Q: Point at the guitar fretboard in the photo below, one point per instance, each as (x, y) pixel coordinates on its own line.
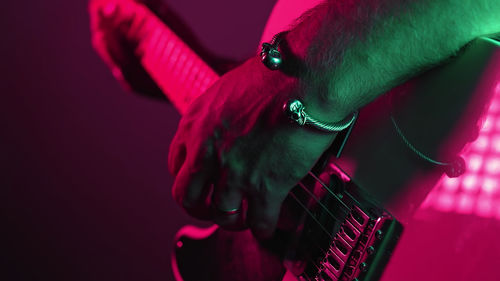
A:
(179, 72)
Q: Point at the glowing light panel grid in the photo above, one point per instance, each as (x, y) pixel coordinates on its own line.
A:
(478, 190)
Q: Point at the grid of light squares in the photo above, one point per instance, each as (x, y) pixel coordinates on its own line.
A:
(478, 190)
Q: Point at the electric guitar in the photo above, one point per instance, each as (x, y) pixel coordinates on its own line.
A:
(345, 219)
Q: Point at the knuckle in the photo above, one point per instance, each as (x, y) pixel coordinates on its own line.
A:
(176, 195)
(261, 189)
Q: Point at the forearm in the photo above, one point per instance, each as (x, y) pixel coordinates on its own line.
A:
(355, 50)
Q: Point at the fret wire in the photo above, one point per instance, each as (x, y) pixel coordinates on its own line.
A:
(172, 59)
(167, 50)
(153, 41)
(196, 82)
(153, 46)
(202, 74)
(187, 79)
(311, 214)
(179, 68)
(190, 77)
(160, 47)
(167, 62)
(191, 91)
(329, 190)
(187, 65)
(163, 56)
(164, 51)
(174, 69)
(205, 84)
(318, 201)
(185, 73)
(190, 57)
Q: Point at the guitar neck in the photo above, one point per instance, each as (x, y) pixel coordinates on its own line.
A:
(178, 71)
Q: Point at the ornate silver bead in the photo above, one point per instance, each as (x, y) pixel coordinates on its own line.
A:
(294, 109)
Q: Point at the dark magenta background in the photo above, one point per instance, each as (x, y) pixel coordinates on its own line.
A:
(85, 193)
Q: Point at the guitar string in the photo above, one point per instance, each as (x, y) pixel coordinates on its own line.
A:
(332, 193)
(315, 219)
(308, 211)
(318, 201)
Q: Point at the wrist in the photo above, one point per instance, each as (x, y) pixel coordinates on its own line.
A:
(313, 83)
(323, 108)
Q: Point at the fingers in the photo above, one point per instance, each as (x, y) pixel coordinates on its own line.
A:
(263, 212)
(192, 191)
(176, 156)
(231, 206)
(229, 210)
(211, 192)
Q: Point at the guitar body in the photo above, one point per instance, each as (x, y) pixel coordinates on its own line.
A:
(232, 256)
(440, 112)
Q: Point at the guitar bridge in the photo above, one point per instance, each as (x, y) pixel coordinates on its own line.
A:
(353, 241)
(362, 254)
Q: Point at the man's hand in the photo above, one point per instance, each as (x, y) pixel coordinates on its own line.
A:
(111, 22)
(235, 149)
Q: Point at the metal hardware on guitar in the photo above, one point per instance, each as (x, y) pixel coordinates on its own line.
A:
(345, 236)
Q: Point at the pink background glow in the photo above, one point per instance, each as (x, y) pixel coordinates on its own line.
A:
(478, 190)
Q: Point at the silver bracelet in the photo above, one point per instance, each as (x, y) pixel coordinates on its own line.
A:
(272, 59)
(270, 55)
(295, 111)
